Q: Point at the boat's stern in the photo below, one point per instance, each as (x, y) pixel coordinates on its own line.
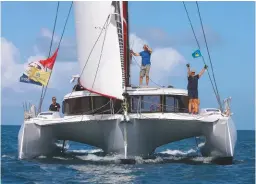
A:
(35, 140)
(220, 138)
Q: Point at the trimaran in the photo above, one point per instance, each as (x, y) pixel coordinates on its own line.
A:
(113, 115)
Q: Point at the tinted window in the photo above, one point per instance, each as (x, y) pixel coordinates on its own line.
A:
(100, 104)
(176, 104)
(135, 103)
(155, 103)
(150, 104)
(169, 104)
(182, 103)
(90, 105)
(117, 106)
(75, 106)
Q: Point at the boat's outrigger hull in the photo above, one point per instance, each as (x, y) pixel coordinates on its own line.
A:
(143, 135)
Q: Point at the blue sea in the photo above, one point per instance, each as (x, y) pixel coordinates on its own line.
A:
(173, 163)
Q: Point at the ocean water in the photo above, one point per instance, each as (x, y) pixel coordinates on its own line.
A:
(173, 163)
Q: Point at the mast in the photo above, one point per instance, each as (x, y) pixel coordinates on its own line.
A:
(126, 43)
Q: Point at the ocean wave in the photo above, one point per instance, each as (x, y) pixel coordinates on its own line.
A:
(86, 151)
(178, 152)
(8, 156)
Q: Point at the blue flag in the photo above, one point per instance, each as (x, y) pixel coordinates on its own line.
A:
(197, 54)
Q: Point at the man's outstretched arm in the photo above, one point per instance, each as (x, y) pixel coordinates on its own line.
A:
(135, 54)
(203, 70)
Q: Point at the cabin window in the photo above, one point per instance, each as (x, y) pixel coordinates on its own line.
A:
(135, 104)
(158, 103)
(150, 104)
(91, 105)
(145, 104)
(100, 105)
(117, 106)
(183, 103)
(74, 106)
(176, 104)
(169, 104)
(103, 105)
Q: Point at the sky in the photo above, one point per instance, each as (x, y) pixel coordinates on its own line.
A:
(229, 27)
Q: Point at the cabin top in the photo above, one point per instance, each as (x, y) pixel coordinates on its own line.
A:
(134, 91)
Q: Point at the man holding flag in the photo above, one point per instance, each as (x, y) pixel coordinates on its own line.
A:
(193, 89)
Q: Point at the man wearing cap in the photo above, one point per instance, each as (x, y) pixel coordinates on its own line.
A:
(193, 89)
(54, 106)
(145, 64)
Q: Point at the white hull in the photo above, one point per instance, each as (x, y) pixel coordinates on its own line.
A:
(143, 133)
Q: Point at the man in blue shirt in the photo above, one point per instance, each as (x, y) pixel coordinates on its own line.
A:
(145, 64)
(193, 89)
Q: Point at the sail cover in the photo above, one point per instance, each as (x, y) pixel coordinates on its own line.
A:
(99, 33)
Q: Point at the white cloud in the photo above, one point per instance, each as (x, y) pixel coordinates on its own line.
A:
(12, 69)
(67, 50)
(48, 34)
(9, 66)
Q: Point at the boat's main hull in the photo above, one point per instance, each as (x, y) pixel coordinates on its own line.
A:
(141, 135)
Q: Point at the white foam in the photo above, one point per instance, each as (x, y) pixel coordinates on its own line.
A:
(201, 144)
(172, 155)
(42, 156)
(86, 151)
(178, 152)
(92, 157)
(8, 156)
(61, 158)
(203, 159)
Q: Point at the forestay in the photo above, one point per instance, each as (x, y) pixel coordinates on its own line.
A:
(101, 66)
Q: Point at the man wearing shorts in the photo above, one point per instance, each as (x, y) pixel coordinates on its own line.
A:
(145, 64)
(193, 89)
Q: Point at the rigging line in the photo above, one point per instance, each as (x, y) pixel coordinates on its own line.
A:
(208, 50)
(215, 92)
(102, 47)
(65, 23)
(95, 44)
(54, 26)
(64, 28)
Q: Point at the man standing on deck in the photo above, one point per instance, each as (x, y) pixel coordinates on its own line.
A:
(145, 64)
(193, 89)
(54, 106)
